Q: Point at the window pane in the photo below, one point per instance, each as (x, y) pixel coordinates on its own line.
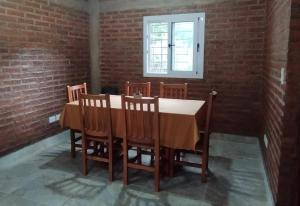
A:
(158, 48)
(183, 41)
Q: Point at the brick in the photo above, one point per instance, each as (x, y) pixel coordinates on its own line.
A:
(15, 12)
(2, 10)
(41, 23)
(8, 19)
(25, 21)
(32, 4)
(33, 16)
(8, 5)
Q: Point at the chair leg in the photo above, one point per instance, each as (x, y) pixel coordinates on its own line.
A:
(171, 162)
(101, 149)
(110, 160)
(166, 158)
(204, 167)
(84, 156)
(178, 156)
(152, 157)
(157, 170)
(125, 161)
(95, 147)
(72, 140)
(139, 155)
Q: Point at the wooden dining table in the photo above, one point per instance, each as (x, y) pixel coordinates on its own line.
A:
(180, 120)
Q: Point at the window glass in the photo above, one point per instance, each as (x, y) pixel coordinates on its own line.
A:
(158, 48)
(183, 46)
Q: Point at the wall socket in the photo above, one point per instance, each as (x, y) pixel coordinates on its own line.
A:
(282, 76)
(266, 141)
(53, 118)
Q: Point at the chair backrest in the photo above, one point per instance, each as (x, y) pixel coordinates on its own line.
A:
(74, 91)
(144, 88)
(141, 120)
(210, 102)
(95, 114)
(173, 91)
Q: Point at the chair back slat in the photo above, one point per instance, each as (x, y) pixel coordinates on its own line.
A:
(173, 91)
(95, 113)
(74, 91)
(141, 119)
(132, 88)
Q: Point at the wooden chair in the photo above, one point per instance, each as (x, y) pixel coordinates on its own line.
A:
(142, 131)
(202, 147)
(173, 91)
(74, 91)
(144, 88)
(96, 127)
(73, 94)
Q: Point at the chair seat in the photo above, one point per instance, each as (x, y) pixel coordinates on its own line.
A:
(97, 139)
(96, 134)
(76, 130)
(141, 142)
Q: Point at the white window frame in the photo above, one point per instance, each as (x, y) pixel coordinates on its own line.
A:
(199, 32)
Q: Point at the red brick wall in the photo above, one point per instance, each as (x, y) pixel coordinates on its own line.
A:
(234, 56)
(294, 91)
(281, 106)
(276, 57)
(42, 48)
(290, 140)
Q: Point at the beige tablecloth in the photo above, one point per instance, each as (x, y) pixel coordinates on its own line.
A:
(179, 120)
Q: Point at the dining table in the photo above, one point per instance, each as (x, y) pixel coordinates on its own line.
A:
(179, 120)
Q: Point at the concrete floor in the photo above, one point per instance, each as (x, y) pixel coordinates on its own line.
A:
(51, 177)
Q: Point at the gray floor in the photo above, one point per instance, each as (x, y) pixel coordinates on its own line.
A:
(51, 177)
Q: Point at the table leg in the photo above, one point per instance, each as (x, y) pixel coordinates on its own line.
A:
(168, 162)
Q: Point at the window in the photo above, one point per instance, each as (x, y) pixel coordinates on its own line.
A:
(174, 45)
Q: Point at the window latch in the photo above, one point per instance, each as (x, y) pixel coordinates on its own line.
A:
(198, 46)
(169, 45)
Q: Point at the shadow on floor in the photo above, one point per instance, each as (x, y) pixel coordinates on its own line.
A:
(132, 195)
(78, 187)
(225, 182)
(186, 183)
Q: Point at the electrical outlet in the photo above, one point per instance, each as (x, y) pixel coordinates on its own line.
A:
(266, 140)
(282, 76)
(57, 117)
(52, 119)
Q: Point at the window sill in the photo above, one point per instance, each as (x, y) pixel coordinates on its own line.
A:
(182, 76)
